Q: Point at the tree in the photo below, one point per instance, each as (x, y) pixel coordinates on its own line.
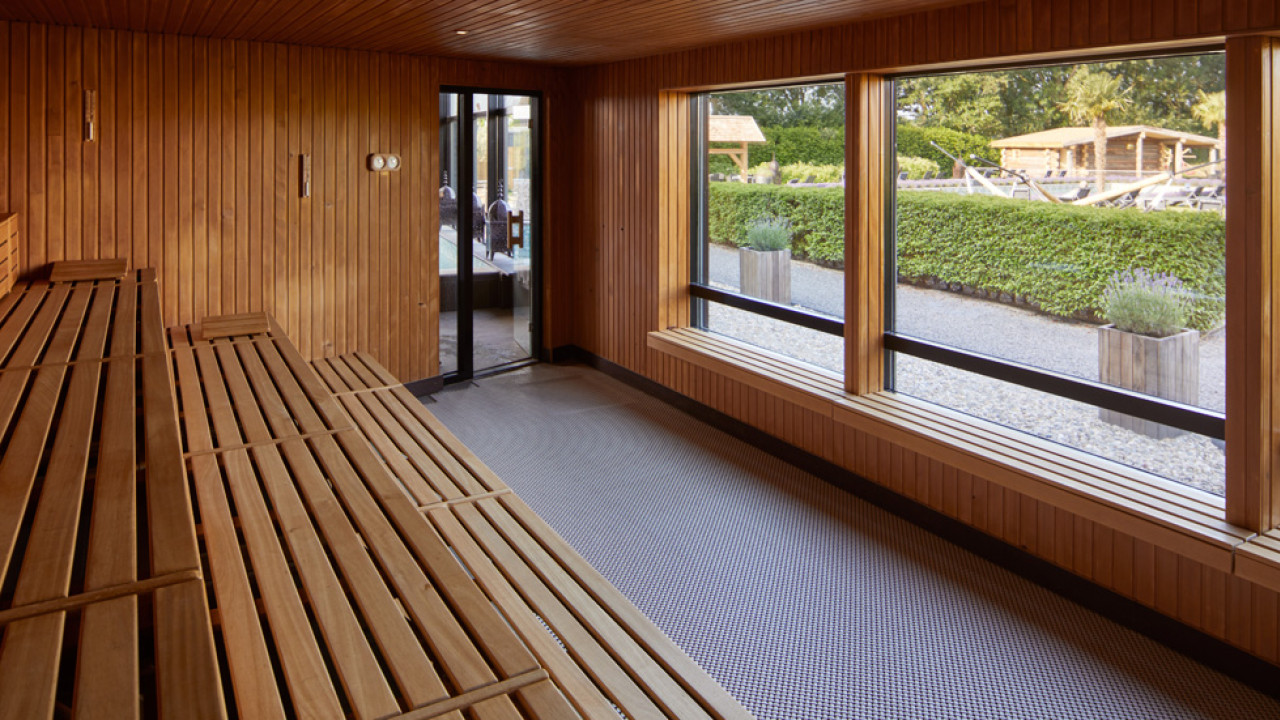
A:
(1211, 109)
(1091, 97)
(799, 106)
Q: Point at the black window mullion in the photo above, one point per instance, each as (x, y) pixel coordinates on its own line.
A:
(1147, 407)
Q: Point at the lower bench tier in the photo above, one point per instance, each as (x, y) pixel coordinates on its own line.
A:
(364, 563)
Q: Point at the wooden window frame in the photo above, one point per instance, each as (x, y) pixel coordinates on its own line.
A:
(1253, 406)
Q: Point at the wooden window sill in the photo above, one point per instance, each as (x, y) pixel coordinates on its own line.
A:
(1175, 517)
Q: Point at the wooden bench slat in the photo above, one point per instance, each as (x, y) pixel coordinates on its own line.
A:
(530, 573)
(186, 661)
(249, 662)
(333, 382)
(29, 667)
(33, 345)
(412, 412)
(312, 693)
(465, 666)
(233, 325)
(610, 678)
(483, 622)
(113, 527)
(409, 664)
(80, 270)
(419, 476)
(544, 701)
(18, 469)
(569, 676)
(637, 625)
(109, 645)
(432, 459)
(575, 591)
(353, 657)
(18, 325)
(51, 541)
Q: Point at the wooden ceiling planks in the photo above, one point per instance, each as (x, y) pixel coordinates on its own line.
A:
(551, 31)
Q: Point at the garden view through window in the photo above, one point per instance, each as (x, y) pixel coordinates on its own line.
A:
(770, 225)
(1069, 219)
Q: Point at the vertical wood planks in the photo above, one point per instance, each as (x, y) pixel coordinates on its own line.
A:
(195, 172)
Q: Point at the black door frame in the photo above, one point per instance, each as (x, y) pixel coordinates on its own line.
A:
(465, 227)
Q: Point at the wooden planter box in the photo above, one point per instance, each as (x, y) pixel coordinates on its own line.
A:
(1165, 367)
(765, 275)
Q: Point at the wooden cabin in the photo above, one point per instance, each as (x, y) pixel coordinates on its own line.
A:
(227, 228)
(1136, 150)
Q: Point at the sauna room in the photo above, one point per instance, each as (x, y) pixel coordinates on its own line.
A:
(857, 359)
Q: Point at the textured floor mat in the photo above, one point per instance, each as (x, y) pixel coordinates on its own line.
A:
(802, 600)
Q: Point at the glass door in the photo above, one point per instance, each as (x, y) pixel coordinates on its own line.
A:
(489, 220)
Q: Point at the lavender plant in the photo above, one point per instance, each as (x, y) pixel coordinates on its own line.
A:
(1139, 301)
(769, 234)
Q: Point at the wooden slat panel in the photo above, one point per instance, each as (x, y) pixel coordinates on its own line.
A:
(231, 325)
(75, 270)
(195, 173)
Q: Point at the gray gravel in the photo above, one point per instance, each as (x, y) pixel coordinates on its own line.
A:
(997, 329)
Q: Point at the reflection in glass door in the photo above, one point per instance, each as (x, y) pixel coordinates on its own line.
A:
(489, 218)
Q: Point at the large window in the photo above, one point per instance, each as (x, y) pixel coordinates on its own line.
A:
(1059, 254)
(768, 240)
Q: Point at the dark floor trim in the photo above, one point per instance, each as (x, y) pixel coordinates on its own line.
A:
(425, 386)
(1199, 646)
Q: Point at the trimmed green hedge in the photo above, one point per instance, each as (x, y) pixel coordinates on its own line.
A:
(816, 215)
(1057, 257)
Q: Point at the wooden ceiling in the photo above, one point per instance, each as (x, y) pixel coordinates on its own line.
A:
(551, 31)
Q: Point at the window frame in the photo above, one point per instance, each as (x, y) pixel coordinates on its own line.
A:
(1194, 419)
(699, 201)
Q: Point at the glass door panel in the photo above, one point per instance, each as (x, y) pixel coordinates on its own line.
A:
(489, 142)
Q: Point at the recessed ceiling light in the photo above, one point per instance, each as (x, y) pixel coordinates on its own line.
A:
(461, 32)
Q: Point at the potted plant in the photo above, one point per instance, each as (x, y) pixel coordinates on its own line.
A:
(1146, 347)
(764, 263)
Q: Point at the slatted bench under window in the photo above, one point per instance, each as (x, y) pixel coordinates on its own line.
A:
(102, 602)
(333, 597)
(600, 650)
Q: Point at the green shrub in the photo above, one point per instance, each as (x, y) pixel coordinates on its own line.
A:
(1147, 304)
(768, 234)
(916, 167)
(816, 216)
(803, 171)
(1058, 257)
(913, 141)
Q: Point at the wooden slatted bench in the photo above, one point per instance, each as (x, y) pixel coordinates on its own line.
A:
(102, 602)
(334, 597)
(600, 650)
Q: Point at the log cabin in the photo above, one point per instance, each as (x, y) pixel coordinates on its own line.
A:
(225, 284)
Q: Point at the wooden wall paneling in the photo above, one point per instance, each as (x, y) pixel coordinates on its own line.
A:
(199, 253)
(6, 56)
(256, 233)
(55, 145)
(195, 172)
(184, 223)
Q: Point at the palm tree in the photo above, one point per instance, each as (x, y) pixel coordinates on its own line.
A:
(1091, 96)
(1212, 110)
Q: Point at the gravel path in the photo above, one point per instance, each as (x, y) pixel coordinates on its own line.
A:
(996, 329)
